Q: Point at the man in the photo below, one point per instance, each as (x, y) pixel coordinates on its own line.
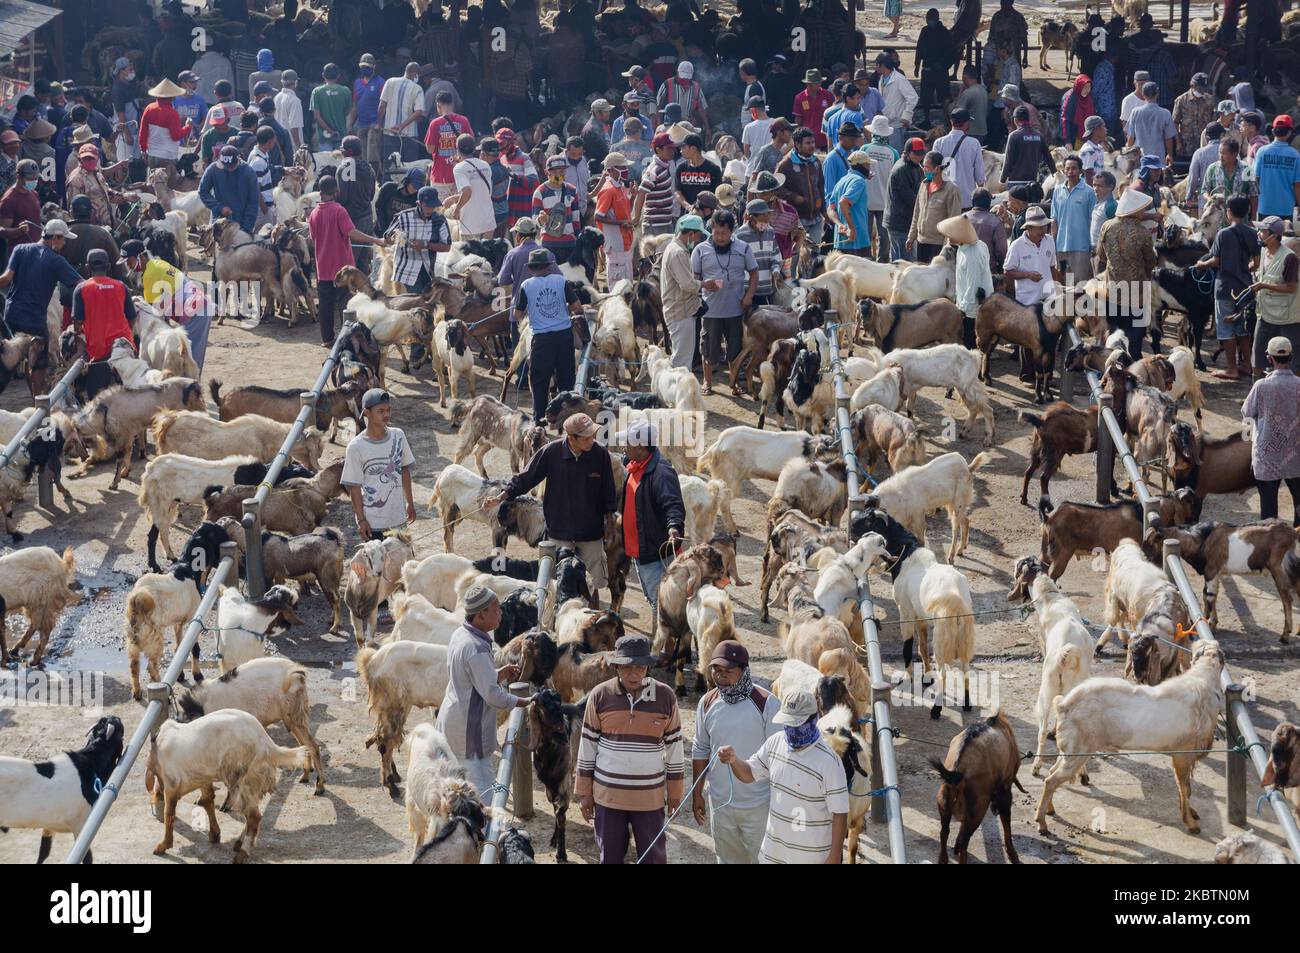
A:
(288, 108)
(810, 105)
(685, 91)
(782, 88)
(579, 499)
(234, 109)
(35, 270)
(1093, 153)
(548, 303)
(396, 197)
(1251, 138)
(973, 276)
(935, 55)
(161, 129)
(401, 109)
(836, 164)
(631, 110)
(758, 234)
(849, 114)
(102, 308)
(440, 139)
(769, 156)
(1004, 68)
(695, 174)
(282, 149)
(900, 98)
(1031, 260)
(680, 290)
(630, 759)
(267, 171)
(596, 131)
(1128, 256)
(1017, 206)
(229, 189)
(213, 67)
(577, 173)
(1202, 158)
(177, 296)
(637, 84)
(1276, 303)
(1009, 29)
(1277, 168)
(1193, 111)
(265, 73)
(126, 108)
(1104, 86)
(191, 106)
(728, 275)
(656, 207)
(1012, 102)
(1151, 127)
(426, 234)
(635, 149)
(332, 235)
(848, 208)
(356, 181)
(752, 89)
(1230, 176)
(726, 715)
(614, 213)
(1271, 406)
(377, 471)
(474, 689)
(757, 133)
(1134, 99)
(489, 150)
(965, 168)
(89, 235)
(1234, 249)
(363, 119)
(974, 99)
(88, 181)
(10, 149)
(804, 186)
(524, 176)
(905, 180)
(1072, 205)
(514, 267)
(557, 211)
(652, 510)
(1103, 183)
(1026, 151)
(330, 104)
(809, 799)
(218, 133)
(992, 231)
(939, 199)
(1227, 118)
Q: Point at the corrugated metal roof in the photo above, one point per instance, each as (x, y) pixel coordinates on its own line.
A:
(19, 19)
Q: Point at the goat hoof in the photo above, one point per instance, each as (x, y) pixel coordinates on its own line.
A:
(394, 792)
(214, 836)
(935, 712)
(241, 857)
(320, 790)
(1085, 779)
(160, 850)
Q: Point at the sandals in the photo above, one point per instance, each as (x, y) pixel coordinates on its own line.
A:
(707, 390)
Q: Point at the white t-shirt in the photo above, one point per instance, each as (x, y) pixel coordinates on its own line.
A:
(757, 134)
(376, 466)
(1093, 157)
(807, 786)
(476, 216)
(401, 97)
(288, 112)
(1024, 255)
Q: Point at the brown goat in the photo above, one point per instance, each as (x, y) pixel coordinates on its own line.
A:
(1144, 413)
(978, 770)
(284, 405)
(911, 325)
(1284, 763)
(763, 326)
(1002, 318)
(775, 376)
(1215, 548)
(880, 432)
(577, 672)
(1208, 464)
(698, 566)
(1059, 431)
(1086, 528)
(795, 537)
(295, 507)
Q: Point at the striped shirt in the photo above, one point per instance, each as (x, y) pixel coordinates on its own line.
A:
(807, 788)
(765, 251)
(631, 749)
(660, 209)
(408, 261)
(401, 97)
(557, 213)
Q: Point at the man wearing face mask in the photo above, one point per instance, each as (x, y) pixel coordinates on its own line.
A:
(20, 208)
(614, 213)
(728, 274)
(10, 148)
(126, 108)
(679, 288)
(556, 210)
(363, 120)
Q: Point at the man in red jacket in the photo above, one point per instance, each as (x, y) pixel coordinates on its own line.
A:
(161, 129)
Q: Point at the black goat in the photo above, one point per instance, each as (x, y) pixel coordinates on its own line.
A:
(555, 730)
(570, 577)
(525, 569)
(1190, 290)
(518, 615)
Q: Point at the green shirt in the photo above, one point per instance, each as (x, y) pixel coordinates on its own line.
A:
(214, 139)
(333, 101)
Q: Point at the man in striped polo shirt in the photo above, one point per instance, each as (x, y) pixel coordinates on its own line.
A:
(656, 209)
(630, 757)
(808, 811)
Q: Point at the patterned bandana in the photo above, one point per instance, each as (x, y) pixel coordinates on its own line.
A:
(734, 694)
(800, 736)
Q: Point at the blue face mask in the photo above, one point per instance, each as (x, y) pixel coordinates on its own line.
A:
(929, 176)
(367, 71)
(30, 184)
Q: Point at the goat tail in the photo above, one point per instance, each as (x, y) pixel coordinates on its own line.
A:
(1034, 420)
(949, 777)
(1071, 660)
(363, 660)
(151, 765)
(981, 459)
(1044, 508)
(767, 374)
(69, 564)
(289, 758)
(705, 463)
(161, 425)
(139, 607)
(718, 491)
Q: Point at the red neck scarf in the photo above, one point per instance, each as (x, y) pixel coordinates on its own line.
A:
(634, 473)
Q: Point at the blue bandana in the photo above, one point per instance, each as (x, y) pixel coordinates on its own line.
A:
(800, 736)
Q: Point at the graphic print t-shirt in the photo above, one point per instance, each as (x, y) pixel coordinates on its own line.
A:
(376, 466)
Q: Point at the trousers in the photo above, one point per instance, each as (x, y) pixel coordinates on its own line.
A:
(737, 833)
(552, 356)
(1268, 498)
(592, 552)
(328, 302)
(682, 334)
(612, 827)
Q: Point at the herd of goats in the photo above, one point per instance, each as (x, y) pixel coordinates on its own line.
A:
(902, 335)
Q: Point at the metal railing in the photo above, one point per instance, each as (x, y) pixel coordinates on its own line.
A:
(252, 516)
(159, 695)
(1241, 731)
(44, 481)
(516, 770)
(888, 805)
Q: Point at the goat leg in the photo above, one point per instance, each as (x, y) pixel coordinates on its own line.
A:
(1002, 802)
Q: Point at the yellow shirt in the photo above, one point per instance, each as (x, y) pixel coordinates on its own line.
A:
(161, 278)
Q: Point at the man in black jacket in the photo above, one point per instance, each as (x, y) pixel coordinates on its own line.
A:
(579, 498)
(357, 187)
(904, 186)
(1026, 151)
(653, 514)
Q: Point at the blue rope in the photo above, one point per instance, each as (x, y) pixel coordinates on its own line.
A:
(878, 792)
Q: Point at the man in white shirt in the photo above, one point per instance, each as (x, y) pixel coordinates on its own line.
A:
(1093, 153)
(1031, 260)
(472, 201)
(899, 96)
(259, 160)
(1134, 99)
(757, 133)
(966, 168)
(377, 470)
(401, 107)
(288, 108)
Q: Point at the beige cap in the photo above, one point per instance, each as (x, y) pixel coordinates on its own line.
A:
(615, 160)
(580, 425)
(1279, 347)
(678, 131)
(860, 158)
(725, 194)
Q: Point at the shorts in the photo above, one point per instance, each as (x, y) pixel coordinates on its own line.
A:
(1226, 326)
(592, 552)
(718, 329)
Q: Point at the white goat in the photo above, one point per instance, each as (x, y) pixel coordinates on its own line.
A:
(432, 773)
(710, 618)
(885, 388)
(131, 369)
(440, 578)
(373, 574)
(701, 500)
(158, 601)
(676, 386)
(163, 346)
(171, 479)
(946, 482)
(1244, 847)
(796, 676)
(924, 282)
(399, 676)
(747, 453)
(952, 367)
(35, 581)
(244, 624)
(11, 423)
(870, 279)
(419, 620)
(195, 433)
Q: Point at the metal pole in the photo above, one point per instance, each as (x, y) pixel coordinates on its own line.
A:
(502, 788)
(254, 573)
(33, 423)
(155, 711)
(1236, 760)
(1105, 453)
(584, 369)
(44, 481)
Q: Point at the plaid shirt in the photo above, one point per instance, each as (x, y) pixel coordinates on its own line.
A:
(408, 261)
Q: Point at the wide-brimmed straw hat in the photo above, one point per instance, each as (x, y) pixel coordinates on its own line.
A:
(1132, 202)
(959, 230)
(678, 131)
(1036, 218)
(768, 182)
(39, 129)
(166, 90)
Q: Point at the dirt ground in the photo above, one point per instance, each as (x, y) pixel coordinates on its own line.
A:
(1128, 814)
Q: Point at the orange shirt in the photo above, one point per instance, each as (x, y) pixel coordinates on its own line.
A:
(614, 198)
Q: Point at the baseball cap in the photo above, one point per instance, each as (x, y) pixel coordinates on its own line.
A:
(690, 223)
(367, 59)
(757, 207)
(97, 257)
(229, 154)
(635, 72)
(860, 158)
(756, 102)
(639, 434)
(489, 145)
(579, 425)
(262, 86)
(57, 228)
(1272, 224)
(685, 69)
(1283, 121)
(1093, 122)
(428, 196)
(916, 145)
(9, 136)
(780, 124)
(731, 652)
(81, 207)
(661, 140)
(850, 129)
(1226, 106)
(526, 226)
(632, 96)
(189, 76)
(706, 199)
(132, 247)
(960, 116)
(601, 105)
(1279, 347)
(374, 397)
(1141, 76)
(217, 115)
(120, 64)
(796, 708)
(557, 162)
(1200, 79)
(506, 135)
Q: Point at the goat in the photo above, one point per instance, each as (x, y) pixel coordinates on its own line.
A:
(1031, 327)
(199, 435)
(435, 785)
(577, 672)
(741, 453)
(1244, 847)
(459, 493)
(171, 479)
(295, 507)
(271, 690)
(1059, 431)
(1284, 763)
(1173, 373)
(837, 727)
(979, 769)
(284, 405)
(229, 746)
(56, 796)
(316, 556)
(926, 281)
(700, 500)
(491, 424)
(1111, 714)
(1208, 464)
(1191, 291)
(709, 615)
(675, 386)
(870, 279)
(1143, 412)
(1215, 549)
(698, 566)
(1140, 598)
(1094, 528)
(946, 482)
(894, 326)
(399, 676)
(809, 397)
(373, 574)
(818, 489)
(118, 419)
(614, 341)
(237, 257)
(37, 582)
(556, 727)
(885, 388)
(793, 537)
(878, 431)
(163, 346)
(453, 359)
(951, 366)
(243, 625)
(1062, 636)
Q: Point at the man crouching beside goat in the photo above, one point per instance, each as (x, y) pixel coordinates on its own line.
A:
(474, 688)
